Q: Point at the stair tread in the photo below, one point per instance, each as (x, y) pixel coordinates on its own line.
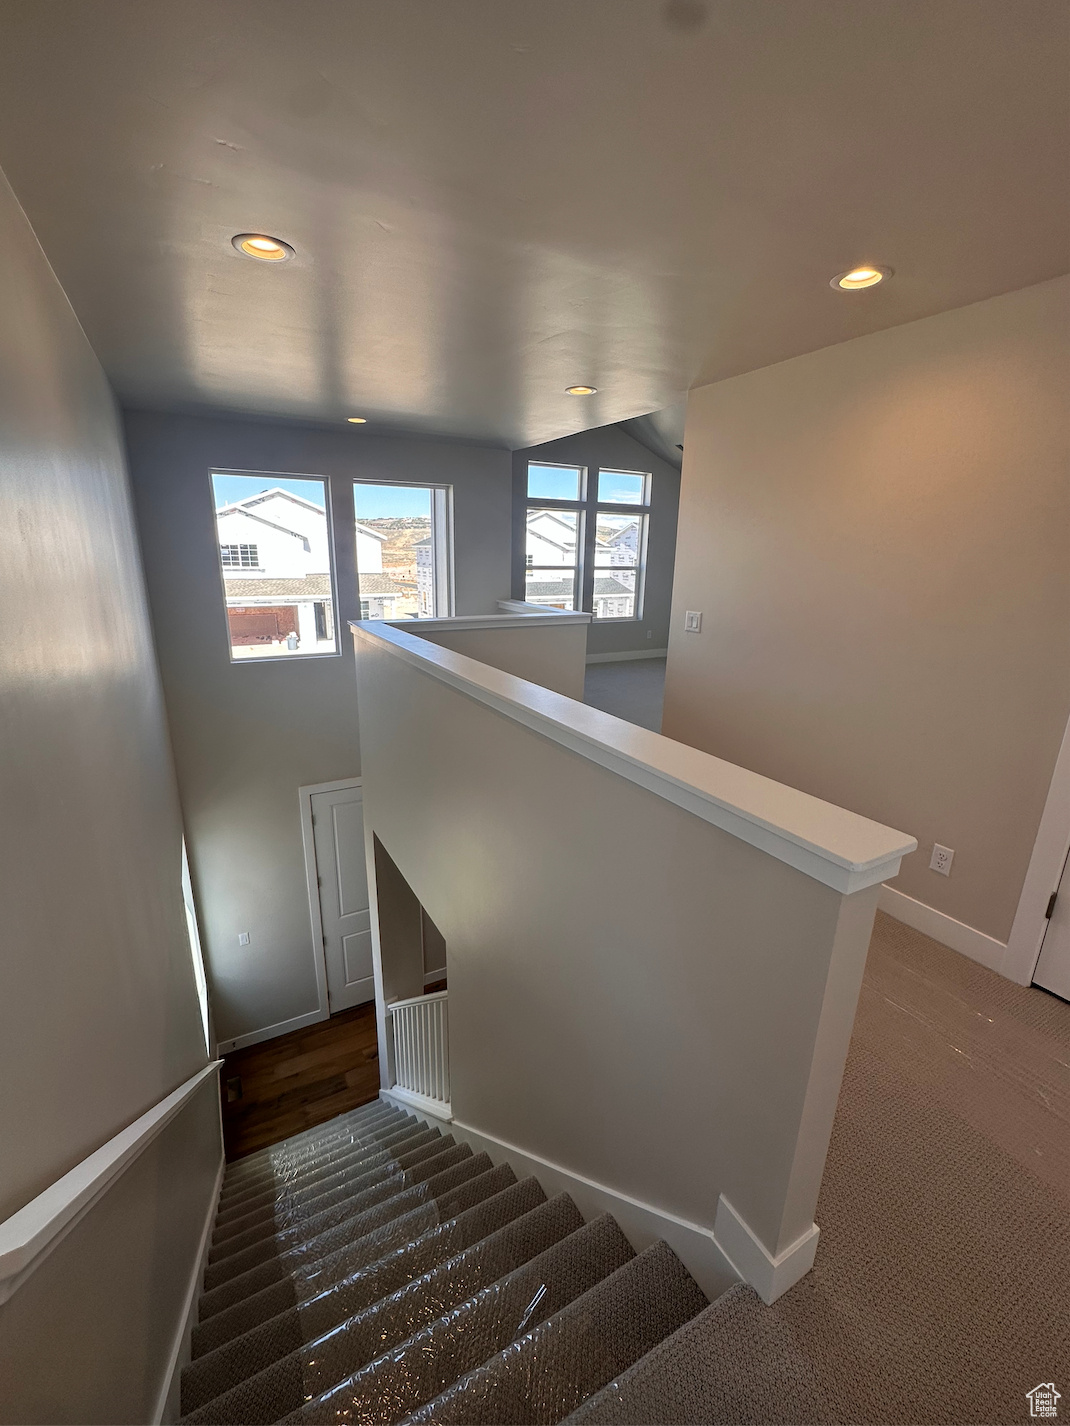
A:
(275, 1206)
(335, 1226)
(306, 1219)
(341, 1289)
(284, 1175)
(553, 1368)
(353, 1122)
(317, 1266)
(397, 1383)
(257, 1378)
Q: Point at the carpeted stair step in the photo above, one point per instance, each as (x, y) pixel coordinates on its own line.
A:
(284, 1172)
(297, 1309)
(278, 1210)
(363, 1114)
(243, 1172)
(305, 1220)
(357, 1332)
(547, 1373)
(298, 1145)
(399, 1382)
(264, 1194)
(317, 1263)
(328, 1230)
(736, 1364)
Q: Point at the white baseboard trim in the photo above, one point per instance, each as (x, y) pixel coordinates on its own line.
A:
(955, 934)
(168, 1403)
(431, 1108)
(627, 655)
(769, 1276)
(269, 1032)
(641, 1223)
(431, 976)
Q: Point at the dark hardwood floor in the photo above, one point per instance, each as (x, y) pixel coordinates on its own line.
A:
(296, 1081)
(282, 1086)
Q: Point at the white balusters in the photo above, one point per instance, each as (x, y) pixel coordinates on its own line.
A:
(421, 1047)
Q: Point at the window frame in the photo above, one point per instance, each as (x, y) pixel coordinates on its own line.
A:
(332, 559)
(588, 508)
(441, 544)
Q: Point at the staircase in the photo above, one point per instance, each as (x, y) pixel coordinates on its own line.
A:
(372, 1270)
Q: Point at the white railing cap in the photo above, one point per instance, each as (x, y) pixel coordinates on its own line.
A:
(432, 996)
(512, 619)
(834, 846)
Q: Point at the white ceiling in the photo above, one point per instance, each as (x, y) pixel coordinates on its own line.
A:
(492, 199)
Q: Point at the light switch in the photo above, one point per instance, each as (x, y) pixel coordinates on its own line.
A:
(243, 938)
(693, 621)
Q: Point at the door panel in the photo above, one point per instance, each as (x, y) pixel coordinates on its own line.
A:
(348, 830)
(357, 956)
(338, 837)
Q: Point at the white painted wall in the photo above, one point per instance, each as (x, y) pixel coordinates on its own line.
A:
(553, 655)
(99, 1014)
(642, 996)
(877, 536)
(247, 736)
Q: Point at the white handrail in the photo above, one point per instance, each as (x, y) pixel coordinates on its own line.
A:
(393, 1005)
(834, 846)
(28, 1236)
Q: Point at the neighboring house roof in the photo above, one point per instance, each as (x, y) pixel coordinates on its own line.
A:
(313, 586)
(420, 543)
(262, 520)
(372, 534)
(378, 584)
(266, 495)
(603, 587)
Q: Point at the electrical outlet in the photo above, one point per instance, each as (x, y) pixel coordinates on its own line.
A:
(941, 860)
(693, 621)
(243, 938)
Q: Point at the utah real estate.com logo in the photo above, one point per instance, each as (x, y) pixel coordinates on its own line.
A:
(1042, 1401)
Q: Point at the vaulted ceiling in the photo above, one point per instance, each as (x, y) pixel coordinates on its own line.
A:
(493, 199)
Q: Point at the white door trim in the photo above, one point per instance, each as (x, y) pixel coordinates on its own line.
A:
(312, 879)
(1042, 878)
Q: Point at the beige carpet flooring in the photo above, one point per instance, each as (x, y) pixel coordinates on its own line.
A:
(941, 1290)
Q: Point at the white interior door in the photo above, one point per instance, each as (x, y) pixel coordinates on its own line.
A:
(338, 837)
(1053, 968)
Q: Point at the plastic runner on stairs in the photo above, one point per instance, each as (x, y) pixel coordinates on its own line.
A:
(373, 1270)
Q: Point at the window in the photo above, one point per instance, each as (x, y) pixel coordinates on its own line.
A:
(585, 539)
(403, 550)
(275, 559)
(239, 556)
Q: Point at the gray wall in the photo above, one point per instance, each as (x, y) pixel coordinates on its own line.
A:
(99, 1017)
(611, 447)
(247, 736)
(878, 537)
(568, 948)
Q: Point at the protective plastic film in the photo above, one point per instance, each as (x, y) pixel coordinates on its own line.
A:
(400, 1380)
(341, 1341)
(290, 1169)
(295, 1209)
(544, 1375)
(343, 1125)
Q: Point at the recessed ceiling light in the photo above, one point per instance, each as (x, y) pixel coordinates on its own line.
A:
(580, 390)
(357, 420)
(859, 277)
(263, 248)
